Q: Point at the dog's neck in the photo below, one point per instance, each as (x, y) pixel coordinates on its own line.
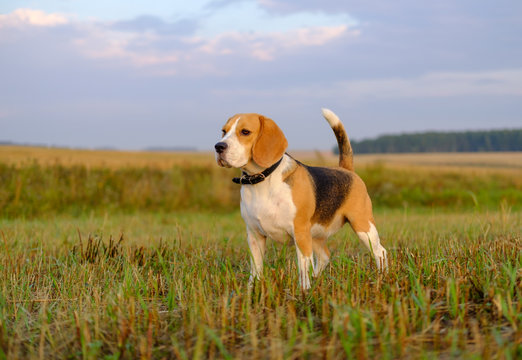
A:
(252, 168)
(256, 174)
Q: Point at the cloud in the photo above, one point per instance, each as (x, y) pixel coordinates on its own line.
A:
(266, 47)
(251, 16)
(148, 49)
(293, 6)
(170, 48)
(157, 25)
(21, 17)
(98, 41)
(148, 40)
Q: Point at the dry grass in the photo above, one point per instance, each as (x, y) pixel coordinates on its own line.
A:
(494, 161)
(20, 155)
(23, 155)
(507, 162)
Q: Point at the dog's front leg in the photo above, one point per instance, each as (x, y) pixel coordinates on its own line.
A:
(257, 245)
(303, 242)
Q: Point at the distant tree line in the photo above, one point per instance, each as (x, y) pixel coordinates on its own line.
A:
(468, 141)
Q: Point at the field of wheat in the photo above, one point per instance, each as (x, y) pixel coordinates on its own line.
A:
(142, 255)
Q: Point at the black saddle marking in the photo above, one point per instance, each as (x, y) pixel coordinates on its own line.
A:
(331, 189)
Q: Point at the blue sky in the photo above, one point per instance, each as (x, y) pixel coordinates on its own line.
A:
(134, 74)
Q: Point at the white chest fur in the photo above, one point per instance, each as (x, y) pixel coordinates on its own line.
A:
(268, 207)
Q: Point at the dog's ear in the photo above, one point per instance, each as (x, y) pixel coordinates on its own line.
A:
(270, 145)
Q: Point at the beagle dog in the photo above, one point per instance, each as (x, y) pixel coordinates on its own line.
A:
(283, 199)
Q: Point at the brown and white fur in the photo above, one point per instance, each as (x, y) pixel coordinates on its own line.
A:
(299, 202)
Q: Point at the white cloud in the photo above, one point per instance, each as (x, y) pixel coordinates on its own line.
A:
(99, 41)
(267, 46)
(148, 47)
(253, 17)
(21, 17)
(142, 49)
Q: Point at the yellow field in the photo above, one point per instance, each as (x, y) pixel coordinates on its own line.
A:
(490, 160)
(20, 155)
(511, 161)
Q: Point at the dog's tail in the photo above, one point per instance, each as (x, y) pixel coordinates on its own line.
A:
(345, 149)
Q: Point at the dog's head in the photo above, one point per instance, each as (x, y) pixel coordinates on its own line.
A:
(250, 139)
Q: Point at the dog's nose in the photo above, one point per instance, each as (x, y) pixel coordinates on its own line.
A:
(220, 147)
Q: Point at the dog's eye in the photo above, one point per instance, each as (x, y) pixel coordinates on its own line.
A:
(224, 132)
(245, 132)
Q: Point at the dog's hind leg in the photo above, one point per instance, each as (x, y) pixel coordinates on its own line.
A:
(367, 233)
(322, 255)
(360, 216)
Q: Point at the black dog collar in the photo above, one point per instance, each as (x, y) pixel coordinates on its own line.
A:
(246, 179)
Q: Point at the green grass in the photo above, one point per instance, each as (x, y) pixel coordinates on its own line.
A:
(176, 287)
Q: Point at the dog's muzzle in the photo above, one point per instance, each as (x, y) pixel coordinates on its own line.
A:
(221, 147)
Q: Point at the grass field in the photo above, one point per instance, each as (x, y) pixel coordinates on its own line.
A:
(106, 272)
